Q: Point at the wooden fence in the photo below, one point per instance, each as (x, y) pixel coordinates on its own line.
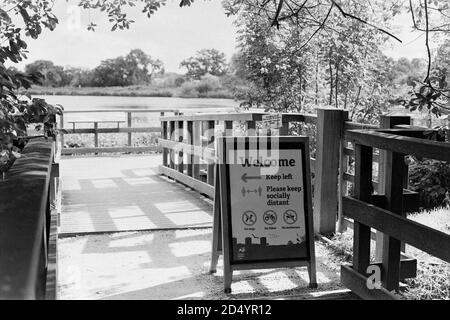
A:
(29, 210)
(95, 130)
(385, 211)
(189, 153)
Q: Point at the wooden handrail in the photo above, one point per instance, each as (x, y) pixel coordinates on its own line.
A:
(401, 144)
(241, 116)
(418, 235)
(355, 126)
(238, 116)
(129, 130)
(23, 214)
(120, 110)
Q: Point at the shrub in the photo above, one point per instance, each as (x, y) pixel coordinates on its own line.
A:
(187, 90)
(431, 179)
(178, 82)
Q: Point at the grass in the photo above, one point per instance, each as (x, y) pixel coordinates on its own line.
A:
(433, 275)
(131, 91)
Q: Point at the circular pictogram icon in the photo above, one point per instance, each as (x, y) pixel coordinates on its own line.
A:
(249, 218)
(290, 216)
(270, 217)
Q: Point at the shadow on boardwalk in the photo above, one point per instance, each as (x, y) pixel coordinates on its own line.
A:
(172, 265)
(104, 195)
(110, 194)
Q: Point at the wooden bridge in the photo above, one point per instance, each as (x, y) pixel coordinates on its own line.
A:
(171, 190)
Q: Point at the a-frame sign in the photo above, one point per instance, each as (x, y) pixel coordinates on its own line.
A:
(262, 208)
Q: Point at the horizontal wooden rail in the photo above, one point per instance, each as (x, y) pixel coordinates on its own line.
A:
(113, 130)
(299, 117)
(24, 198)
(123, 110)
(401, 144)
(355, 126)
(238, 116)
(418, 235)
(95, 131)
(351, 153)
(358, 284)
(68, 151)
(206, 153)
(242, 116)
(193, 183)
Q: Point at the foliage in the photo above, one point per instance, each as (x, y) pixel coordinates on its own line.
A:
(133, 69)
(136, 68)
(431, 179)
(53, 76)
(205, 61)
(115, 10)
(306, 63)
(16, 112)
(430, 17)
(208, 86)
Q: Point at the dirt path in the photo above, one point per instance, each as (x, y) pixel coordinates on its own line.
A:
(172, 265)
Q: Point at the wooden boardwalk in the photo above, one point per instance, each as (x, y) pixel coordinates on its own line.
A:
(124, 193)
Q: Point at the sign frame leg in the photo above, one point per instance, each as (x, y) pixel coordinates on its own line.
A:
(217, 226)
(312, 249)
(227, 269)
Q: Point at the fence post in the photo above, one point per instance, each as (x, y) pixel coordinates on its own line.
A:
(171, 137)
(210, 125)
(189, 139)
(61, 127)
(250, 126)
(330, 128)
(387, 122)
(362, 191)
(96, 134)
(284, 130)
(130, 122)
(197, 142)
(342, 185)
(164, 137)
(179, 127)
(395, 165)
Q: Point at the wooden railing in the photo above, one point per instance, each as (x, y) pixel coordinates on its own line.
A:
(95, 130)
(189, 151)
(379, 201)
(28, 224)
(379, 157)
(385, 211)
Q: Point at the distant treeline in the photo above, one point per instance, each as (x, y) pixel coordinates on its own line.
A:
(136, 68)
(139, 74)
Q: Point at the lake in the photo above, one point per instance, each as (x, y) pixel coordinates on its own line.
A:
(186, 106)
(107, 102)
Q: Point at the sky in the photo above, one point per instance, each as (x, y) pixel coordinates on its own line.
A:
(172, 34)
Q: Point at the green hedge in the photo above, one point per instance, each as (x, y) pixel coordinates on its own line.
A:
(432, 180)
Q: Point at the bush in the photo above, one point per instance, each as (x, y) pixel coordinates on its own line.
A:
(187, 90)
(431, 179)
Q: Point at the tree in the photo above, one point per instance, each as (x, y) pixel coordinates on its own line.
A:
(206, 61)
(133, 69)
(53, 75)
(295, 67)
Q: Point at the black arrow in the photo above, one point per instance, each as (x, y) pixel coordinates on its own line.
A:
(245, 178)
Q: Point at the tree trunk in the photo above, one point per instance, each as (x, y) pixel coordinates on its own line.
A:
(317, 81)
(336, 84)
(331, 82)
